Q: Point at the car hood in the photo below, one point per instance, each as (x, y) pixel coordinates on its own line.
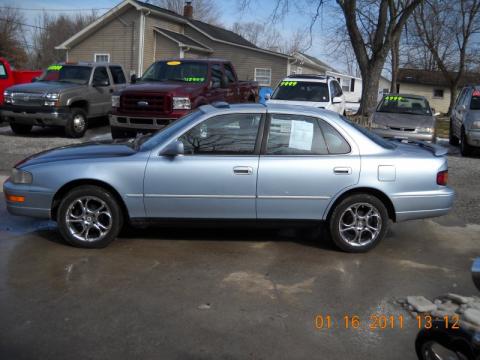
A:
(163, 87)
(403, 120)
(91, 150)
(42, 87)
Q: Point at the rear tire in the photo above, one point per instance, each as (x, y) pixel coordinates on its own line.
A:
(89, 216)
(77, 123)
(452, 139)
(21, 129)
(465, 149)
(358, 223)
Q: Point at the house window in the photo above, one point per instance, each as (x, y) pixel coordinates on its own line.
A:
(438, 93)
(352, 85)
(104, 57)
(263, 76)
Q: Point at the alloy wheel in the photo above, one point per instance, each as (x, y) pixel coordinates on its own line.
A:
(360, 224)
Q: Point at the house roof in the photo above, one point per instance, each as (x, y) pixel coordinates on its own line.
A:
(434, 78)
(183, 40)
(222, 34)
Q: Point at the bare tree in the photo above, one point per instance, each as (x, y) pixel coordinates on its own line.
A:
(446, 28)
(12, 43)
(52, 31)
(203, 10)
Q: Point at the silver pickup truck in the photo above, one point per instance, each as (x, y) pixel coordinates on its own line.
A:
(67, 95)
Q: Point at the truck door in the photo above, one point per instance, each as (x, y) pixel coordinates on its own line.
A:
(101, 92)
(216, 92)
(118, 77)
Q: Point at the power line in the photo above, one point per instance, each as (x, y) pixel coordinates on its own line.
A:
(48, 9)
(19, 23)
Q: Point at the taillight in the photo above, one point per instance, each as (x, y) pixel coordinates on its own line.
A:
(442, 177)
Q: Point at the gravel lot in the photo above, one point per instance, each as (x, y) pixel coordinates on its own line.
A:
(222, 293)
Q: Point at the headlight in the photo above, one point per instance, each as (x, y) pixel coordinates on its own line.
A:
(476, 125)
(181, 103)
(115, 101)
(51, 99)
(374, 125)
(7, 95)
(20, 177)
(427, 130)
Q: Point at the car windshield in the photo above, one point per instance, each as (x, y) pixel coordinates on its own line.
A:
(301, 91)
(67, 73)
(401, 104)
(162, 134)
(189, 71)
(475, 102)
(386, 144)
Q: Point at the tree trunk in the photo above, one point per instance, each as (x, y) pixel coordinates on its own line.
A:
(370, 80)
(395, 54)
(453, 97)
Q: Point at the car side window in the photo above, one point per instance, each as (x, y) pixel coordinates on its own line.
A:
(295, 135)
(336, 143)
(100, 75)
(459, 97)
(232, 134)
(117, 75)
(216, 75)
(229, 73)
(3, 71)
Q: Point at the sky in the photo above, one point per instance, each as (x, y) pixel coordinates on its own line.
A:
(259, 12)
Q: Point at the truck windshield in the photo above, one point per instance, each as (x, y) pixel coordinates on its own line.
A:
(189, 71)
(404, 105)
(67, 73)
(301, 91)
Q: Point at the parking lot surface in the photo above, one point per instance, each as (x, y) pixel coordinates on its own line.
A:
(231, 293)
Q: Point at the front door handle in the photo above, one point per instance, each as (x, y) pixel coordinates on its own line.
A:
(342, 170)
(243, 170)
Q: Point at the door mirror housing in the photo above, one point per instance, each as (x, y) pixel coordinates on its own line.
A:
(462, 108)
(173, 149)
(336, 100)
(268, 96)
(133, 79)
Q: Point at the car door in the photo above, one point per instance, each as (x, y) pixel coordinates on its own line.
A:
(215, 178)
(216, 92)
(102, 90)
(304, 163)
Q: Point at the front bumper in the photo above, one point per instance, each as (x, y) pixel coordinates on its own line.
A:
(473, 138)
(144, 122)
(41, 116)
(407, 135)
(37, 203)
(425, 204)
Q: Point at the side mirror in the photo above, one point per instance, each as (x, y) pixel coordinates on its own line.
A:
(462, 108)
(34, 79)
(336, 100)
(173, 149)
(268, 96)
(133, 78)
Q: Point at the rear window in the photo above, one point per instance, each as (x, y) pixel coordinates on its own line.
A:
(117, 75)
(301, 91)
(475, 102)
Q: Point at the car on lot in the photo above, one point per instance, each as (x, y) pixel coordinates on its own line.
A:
(403, 116)
(465, 120)
(247, 162)
(68, 95)
(319, 91)
(172, 88)
(10, 77)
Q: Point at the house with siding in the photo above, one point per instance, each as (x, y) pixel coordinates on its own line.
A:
(432, 85)
(135, 34)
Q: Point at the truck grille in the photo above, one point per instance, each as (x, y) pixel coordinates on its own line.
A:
(147, 103)
(27, 99)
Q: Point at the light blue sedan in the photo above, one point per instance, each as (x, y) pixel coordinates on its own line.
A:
(247, 162)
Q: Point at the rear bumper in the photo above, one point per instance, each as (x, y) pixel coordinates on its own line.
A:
(473, 138)
(36, 116)
(408, 135)
(37, 204)
(419, 205)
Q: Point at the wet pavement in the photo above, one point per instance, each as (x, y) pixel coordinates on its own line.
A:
(227, 293)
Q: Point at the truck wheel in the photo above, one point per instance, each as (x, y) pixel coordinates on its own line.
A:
(20, 129)
(452, 139)
(76, 124)
(118, 133)
(89, 216)
(358, 223)
(465, 149)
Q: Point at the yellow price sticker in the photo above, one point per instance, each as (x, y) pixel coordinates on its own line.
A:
(55, 67)
(173, 63)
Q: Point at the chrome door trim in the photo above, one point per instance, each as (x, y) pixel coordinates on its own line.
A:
(293, 197)
(200, 196)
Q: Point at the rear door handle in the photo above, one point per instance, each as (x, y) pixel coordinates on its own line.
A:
(243, 170)
(342, 170)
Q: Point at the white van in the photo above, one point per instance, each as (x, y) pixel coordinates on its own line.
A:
(310, 90)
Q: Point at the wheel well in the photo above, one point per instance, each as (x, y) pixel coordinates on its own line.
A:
(370, 191)
(82, 104)
(76, 183)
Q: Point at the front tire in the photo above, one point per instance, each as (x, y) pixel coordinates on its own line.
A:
(77, 123)
(90, 217)
(465, 149)
(358, 223)
(21, 129)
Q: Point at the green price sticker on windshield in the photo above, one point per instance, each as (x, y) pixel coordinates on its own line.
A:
(288, 83)
(393, 98)
(55, 67)
(194, 79)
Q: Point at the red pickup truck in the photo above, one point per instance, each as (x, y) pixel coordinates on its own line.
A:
(172, 88)
(9, 77)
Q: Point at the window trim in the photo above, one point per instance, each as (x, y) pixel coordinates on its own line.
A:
(101, 54)
(270, 77)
